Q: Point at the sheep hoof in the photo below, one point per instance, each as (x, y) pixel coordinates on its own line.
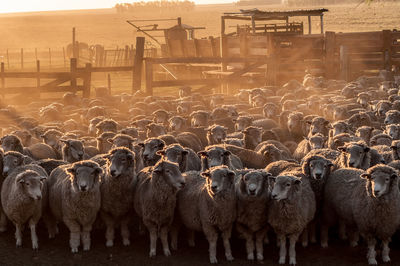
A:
(372, 262)
(19, 243)
(250, 256)
(292, 261)
(313, 240)
(109, 243)
(213, 260)
(51, 236)
(126, 242)
(74, 250)
(152, 253)
(282, 260)
(304, 244)
(385, 259)
(260, 257)
(324, 244)
(35, 246)
(229, 257)
(174, 246)
(167, 252)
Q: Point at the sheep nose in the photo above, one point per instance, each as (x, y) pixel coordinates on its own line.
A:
(214, 188)
(112, 172)
(38, 197)
(274, 196)
(145, 156)
(182, 184)
(376, 191)
(351, 164)
(83, 188)
(318, 176)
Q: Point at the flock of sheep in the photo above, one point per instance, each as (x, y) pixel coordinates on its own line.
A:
(271, 163)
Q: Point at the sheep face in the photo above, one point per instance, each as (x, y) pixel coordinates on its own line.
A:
(355, 155)
(84, 176)
(216, 156)
(11, 160)
(271, 153)
(319, 125)
(363, 99)
(392, 117)
(383, 107)
(319, 168)
(380, 182)
(242, 122)
(216, 134)
(103, 145)
(75, 149)
(170, 173)
(92, 125)
(130, 131)
(258, 101)
(106, 126)
(253, 183)
(150, 147)
(31, 184)
(317, 142)
(284, 186)
(122, 141)
(10, 143)
(174, 153)
(270, 110)
(51, 138)
(199, 119)
(160, 117)
(252, 136)
(120, 161)
(393, 131)
(218, 179)
(339, 113)
(176, 123)
(232, 111)
(339, 128)
(364, 133)
(155, 130)
(295, 122)
(24, 136)
(396, 149)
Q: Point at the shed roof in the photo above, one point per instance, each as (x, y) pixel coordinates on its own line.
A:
(258, 14)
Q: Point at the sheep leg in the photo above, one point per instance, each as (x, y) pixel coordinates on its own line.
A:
(342, 230)
(110, 230)
(385, 250)
(190, 238)
(153, 240)
(304, 237)
(353, 237)
(260, 236)
(34, 238)
(86, 237)
(212, 237)
(313, 232)
(18, 234)
(248, 236)
(174, 232)
(125, 234)
(282, 248)
(75, 234)
(226, 235)
(371, 255)
(51, 225)
(164, 240)
(292, 249)
(3, 222)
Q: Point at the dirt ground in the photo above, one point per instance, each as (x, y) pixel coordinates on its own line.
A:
(57, 252)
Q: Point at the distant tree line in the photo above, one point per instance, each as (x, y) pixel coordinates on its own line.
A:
(163, 5)
(330, 2)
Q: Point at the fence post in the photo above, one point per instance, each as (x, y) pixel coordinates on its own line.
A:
(387, 49)
(65, 61)
(344, 63)
(149, 77)
(87, 80)
(73, 66)
(50, 57)
(330, 43)
(38, 77)
(126, 55)
(74, 55)
(109, 83)
(22, 58)
(2, 80)
(137, 66)
(8, 60)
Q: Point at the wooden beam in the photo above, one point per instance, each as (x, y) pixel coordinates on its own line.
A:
(330, 45)
(149, 77)
(344, 63)
(322, 24)
(309, 24)
(87, 81)
(137, 65)
(73, 67)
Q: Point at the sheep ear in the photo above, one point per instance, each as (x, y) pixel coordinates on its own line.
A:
(206, 174)
(393, 176)
(297, 182)
(365, 176)
(161, 145)
(202, 153)
(185, 152)
(141, 144)
(266, 175)
(161, 152)
(43, 178)
(98, 170)
(20, 178)
(227, 153)
(231, 175)
(366, 149)
(71, 170)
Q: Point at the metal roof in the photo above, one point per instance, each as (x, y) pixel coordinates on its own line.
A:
(258, 14)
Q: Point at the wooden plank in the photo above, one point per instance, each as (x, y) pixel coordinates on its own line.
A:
(73, 67)
(16, 90)
(2, 79)
(182, 82)
(138, 65)
(189, 48)
(149, 77)
(330, 43)
(204, 60)
(34, 75)
(87, 81)
(204, 48)
(344, 64)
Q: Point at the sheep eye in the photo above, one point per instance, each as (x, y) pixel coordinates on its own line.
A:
(387, 179)
(288, 184)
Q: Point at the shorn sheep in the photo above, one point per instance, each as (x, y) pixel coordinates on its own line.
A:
(208, 204)
(155, 200)
(23, 194)
(74, 198)
(291, 209)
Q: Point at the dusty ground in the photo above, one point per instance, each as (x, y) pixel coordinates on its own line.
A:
(57, 252)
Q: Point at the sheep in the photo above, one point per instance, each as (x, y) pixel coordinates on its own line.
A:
(275, 168)
(177, 123)
(155, 130)
(122, 140)
(50, 164)
(150, 148)
(103, 145)
(92, 125)
(155, 200)
(358, 155)
(273, 154)
(285, 150)
(72, 151)
(218, 155)
(23, 195)
(339, 127)
(252, 136)
(243, 122)
(308, 144)
(216, 134)
(207, 203)
(395, 150)
(234, 141)
(339, 140)
(371, 202)
(252, 206)
(186, 158)
(107, 125)
(190, 140)
(380, 139)
(161, 116)
(392, 117)
(319, 125)
(382, 107)
(393, 130)
(199, 119)
(117, 189)
(365, 133)
(74, 198)
(265, 123)
(11, 143)
(295, 125)
(270, 110)
(359, 120)
(130, 131)
(12, 160)
(291, 209)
